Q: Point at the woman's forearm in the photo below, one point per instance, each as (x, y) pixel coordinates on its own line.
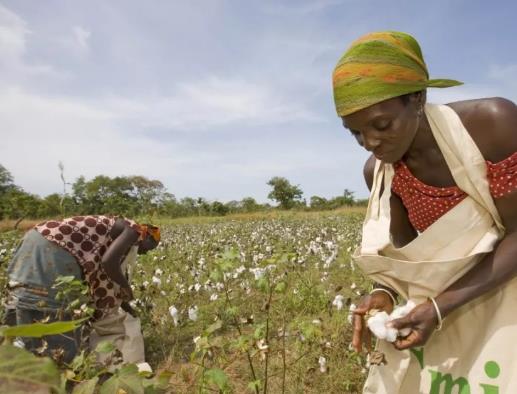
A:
(113, 256)
(116, 275)
(492, 271)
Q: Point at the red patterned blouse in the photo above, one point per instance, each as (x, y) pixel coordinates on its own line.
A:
(426, 204)
(87, 238)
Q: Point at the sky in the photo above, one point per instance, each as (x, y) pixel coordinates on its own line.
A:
(215, 97)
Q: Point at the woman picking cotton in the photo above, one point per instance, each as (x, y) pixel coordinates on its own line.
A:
(96, 249)
(441, 225)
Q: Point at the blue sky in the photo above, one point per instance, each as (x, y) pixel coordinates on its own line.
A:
(212, 97)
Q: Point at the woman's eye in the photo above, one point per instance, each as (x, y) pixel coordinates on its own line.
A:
(383, 126)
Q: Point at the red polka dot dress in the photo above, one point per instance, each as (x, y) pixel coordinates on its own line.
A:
(87, 238)
(426, 204)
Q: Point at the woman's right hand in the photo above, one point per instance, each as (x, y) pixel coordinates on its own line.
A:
(126, 294)
(377, 300)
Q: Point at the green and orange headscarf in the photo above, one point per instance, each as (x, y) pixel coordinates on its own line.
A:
(380, 66)
(149, 230)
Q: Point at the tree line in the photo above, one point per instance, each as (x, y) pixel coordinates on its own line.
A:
(133, 196)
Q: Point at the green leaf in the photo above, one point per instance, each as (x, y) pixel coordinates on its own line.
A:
(38, 330)
(216, 275)
(230, 254)
(260, 331)
(280, 287)
(126, 378)
(219, 378)
(263, 284)
(214, 327)
(105, 347)
(159, 384)
(22, 372)
(243, 343)
(232, 311)
(86, 387)
(202, 343)
(254, 386)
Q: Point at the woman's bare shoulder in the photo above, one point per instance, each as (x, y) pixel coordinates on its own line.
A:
(492, 123)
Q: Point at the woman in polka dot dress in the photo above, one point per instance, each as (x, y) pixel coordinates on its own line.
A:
(380, 95)
(91, 248)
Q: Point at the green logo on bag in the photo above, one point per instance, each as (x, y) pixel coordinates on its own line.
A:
(444, 383)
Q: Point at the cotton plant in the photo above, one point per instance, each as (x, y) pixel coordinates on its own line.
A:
(173, 311)
(193, 313)
(338, 302)
(378, 323)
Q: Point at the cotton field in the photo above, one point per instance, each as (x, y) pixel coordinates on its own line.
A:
(261, 304)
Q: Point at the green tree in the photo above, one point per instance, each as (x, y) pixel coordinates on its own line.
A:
(319, 203)
(250, 205)
(17, 204)
(149, 193)
(6, 180)
(218, 208)
(284, 193)
(348, 197)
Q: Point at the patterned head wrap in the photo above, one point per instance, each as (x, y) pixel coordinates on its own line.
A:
(380, 66)
(148, 229)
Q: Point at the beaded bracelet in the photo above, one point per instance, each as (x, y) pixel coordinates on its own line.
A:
(387, 292)
(438, 314)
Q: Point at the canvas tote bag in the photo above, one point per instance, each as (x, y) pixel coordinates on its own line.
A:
(119, 327)
(475, 350)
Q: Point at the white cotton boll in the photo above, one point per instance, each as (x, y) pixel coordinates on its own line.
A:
(197, 287)
(214, 297)
(338, 302)
(174, 314)
(402, 311)
(258, 272)
(158, 272)
(144, 367)
(192, 313)
(322, 361)
(378, 323)
(378, 326)
(351, 310)
(156, 281)
(19, 343)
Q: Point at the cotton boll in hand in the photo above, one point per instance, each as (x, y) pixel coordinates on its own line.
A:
(402, 311)
(378, 323)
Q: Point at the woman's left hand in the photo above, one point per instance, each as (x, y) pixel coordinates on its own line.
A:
(422, 321)
(126, 294)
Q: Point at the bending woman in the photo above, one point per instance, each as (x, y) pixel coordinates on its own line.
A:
(92, 248)
(441, 226)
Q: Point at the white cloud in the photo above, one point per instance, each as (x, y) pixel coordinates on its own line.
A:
(13, 31)
(212, 102)
(300, 7)
(81, 36)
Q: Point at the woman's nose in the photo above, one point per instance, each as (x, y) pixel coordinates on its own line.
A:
(370, 142)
